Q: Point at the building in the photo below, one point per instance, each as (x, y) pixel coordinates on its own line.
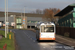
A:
(17, 19)
(67, 16)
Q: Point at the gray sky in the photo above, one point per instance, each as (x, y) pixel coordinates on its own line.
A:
(32, 5)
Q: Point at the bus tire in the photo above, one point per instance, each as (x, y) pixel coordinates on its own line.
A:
(37, 39)
(53, 40)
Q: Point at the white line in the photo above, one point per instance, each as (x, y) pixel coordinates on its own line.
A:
(33, 40)
(27, 35)
(23, 32)
(13, 31)
(44, 47)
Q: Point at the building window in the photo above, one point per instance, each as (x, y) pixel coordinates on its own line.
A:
(70, 21)
(74, 19)
(67, 21)
(74, 9)
(29, 21)
(36, 21)
(18, 20)
(32, 21)
(62, 23)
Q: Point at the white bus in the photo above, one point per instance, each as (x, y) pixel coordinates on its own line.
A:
(46, 31)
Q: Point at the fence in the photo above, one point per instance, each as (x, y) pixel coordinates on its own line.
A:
(66, 31)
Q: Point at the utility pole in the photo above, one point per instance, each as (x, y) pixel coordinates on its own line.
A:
(7, 16)
(21, 18)
(21, 15)
(5, 20)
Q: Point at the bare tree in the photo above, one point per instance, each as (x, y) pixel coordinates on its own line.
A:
(38, 11)
(49, 14)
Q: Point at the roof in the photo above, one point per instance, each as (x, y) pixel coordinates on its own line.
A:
(66, 10)
(47, 23)
(19, 14)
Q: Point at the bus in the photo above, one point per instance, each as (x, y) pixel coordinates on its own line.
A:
(45, 31)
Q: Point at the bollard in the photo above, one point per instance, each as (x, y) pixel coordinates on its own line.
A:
(9, 36)
(5, 47)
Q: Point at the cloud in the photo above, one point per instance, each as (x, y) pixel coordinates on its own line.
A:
(20, 10)
(41, 5)
(32, 5)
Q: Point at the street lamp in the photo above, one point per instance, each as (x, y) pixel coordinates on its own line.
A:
(24, 17)
(5, 20)
(7, 16)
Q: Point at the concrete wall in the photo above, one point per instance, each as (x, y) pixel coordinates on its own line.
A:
(13, 19)
(33, 19)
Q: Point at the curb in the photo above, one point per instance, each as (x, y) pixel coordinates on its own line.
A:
(16, 45)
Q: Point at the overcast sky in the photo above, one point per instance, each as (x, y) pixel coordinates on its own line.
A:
(32, 5)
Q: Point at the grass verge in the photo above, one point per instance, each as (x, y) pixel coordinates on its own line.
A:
(10, 42)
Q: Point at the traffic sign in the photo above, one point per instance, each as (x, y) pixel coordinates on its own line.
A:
(7, 23)
(23, 20)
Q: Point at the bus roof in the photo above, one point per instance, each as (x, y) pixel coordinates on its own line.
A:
(47, 24)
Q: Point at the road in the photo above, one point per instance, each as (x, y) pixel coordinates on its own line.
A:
(26, 40)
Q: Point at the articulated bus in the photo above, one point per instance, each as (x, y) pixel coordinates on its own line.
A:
(46, 31)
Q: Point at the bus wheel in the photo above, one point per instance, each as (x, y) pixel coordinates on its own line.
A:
(53, 40)
(38, 40)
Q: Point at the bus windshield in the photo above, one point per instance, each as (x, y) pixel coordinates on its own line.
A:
(47, 28)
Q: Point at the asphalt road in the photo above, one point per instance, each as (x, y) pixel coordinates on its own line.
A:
(26, 40)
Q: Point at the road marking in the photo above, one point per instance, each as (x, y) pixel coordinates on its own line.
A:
(26, 34)
(33, 40)
(14, 31)
(29, 36)
(44, 47)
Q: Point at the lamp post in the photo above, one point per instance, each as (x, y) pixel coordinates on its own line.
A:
(7, 16)
(24, 17)
(5, 20)
(21, 18)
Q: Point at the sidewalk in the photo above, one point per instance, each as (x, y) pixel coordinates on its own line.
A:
(65, 40)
